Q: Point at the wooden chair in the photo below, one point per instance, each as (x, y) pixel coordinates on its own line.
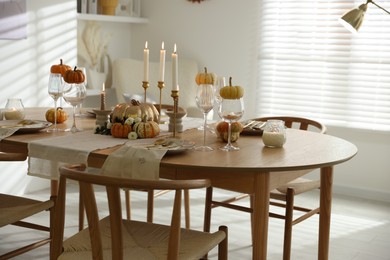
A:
(115, 238)
(151, 195)
(14, 209)
(282, 196)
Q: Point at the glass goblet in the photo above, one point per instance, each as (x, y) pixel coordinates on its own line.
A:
(80, 112)
(205, 99)
(55, 90)
(74, 94)
(230, 110)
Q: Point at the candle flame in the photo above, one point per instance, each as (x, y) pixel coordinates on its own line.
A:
(104, 87)
(146, 44)
(162, 45)
(174, 48)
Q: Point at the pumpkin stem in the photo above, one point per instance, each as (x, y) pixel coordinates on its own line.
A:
(60, 61)
(205, 70)
(230, 81)
(75, 67)
(135, 102)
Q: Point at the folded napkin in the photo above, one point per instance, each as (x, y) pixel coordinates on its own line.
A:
(6, 132)
(133, 161)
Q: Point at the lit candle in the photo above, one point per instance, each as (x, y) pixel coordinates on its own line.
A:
(162, 63)
(146, 62)
(175, 85)
(103, 98)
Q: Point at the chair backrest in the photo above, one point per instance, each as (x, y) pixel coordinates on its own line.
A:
(298, 122)
(113, 187)
(128, 76)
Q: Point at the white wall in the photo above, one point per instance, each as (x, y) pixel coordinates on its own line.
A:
(221, 34)
(25, 67)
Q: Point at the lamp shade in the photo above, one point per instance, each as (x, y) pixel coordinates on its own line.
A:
(352, 20)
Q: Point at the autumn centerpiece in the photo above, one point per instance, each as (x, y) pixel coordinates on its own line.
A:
(132, 120)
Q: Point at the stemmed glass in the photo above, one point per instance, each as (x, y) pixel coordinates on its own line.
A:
(205, 99)
(55, 89)
(230, 110)
(74, 94)
(83, 69)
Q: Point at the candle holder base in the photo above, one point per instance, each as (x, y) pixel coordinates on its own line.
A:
(102, 116)
(178, 122)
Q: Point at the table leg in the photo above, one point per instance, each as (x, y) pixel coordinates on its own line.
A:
(325, 212)
(260, 216)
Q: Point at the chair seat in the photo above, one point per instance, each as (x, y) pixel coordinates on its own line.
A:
(300, 185)
(15, 208)
(142, 241)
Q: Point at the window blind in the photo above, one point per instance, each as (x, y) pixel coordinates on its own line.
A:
(310, 65)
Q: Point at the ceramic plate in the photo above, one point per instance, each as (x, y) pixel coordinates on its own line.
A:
(25, 126)
(253, 127)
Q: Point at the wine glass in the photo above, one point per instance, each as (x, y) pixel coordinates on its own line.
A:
(205, 99)
(230, 110)
(74, 94)
(55, 89)
(80, 113)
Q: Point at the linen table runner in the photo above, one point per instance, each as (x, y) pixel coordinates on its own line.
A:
(45, 156)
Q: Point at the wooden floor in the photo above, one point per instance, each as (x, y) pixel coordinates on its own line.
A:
(360, 228)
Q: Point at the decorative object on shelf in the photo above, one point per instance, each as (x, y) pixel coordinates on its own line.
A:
(92, 53)
(131, 8)
(107, 7)
(353, 19)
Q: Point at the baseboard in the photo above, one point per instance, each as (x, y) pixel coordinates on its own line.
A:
(370, 194)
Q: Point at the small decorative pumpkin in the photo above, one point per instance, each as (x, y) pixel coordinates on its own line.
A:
(119, 130)
(222, 129)
(231, 92)
(62, 116)
(205, 78)
(74, 76)
(146, 129)
(60, 68)
(134, 109)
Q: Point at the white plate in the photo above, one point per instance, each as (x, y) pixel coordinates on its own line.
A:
(172, 145)
(25, 126)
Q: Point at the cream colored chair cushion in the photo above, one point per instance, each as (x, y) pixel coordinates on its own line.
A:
(128, 75)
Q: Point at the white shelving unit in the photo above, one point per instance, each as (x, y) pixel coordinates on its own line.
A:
(111, 18)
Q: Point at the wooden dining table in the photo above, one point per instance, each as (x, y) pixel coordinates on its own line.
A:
(254, 169)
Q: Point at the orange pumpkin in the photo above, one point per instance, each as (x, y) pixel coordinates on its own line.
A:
(74, 76)
(147, 129)
(134, 109)
(60, 68)
(205, 78)
(119, 130)
(222, 129)
(62, 116)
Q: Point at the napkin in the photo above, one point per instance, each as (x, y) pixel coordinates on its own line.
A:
(134, 162)
(6, 132)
